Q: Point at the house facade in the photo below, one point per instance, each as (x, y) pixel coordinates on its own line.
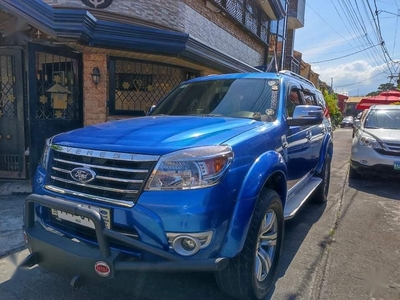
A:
(65, 64)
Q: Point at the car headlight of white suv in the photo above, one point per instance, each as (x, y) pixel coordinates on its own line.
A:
(191, 168)
(369, 141)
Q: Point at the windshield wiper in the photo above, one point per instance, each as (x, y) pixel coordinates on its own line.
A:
(213, 115)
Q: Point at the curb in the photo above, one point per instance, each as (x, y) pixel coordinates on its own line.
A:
(11, 251)
(10, 188)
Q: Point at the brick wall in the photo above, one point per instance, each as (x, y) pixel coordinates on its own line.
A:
(94, 97)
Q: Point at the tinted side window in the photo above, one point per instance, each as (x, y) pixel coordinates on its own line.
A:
(309, 99)
(293, 99)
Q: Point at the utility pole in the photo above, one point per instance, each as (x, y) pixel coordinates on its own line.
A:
(398, 79)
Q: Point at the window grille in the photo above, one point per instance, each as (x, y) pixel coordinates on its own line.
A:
(137, 85)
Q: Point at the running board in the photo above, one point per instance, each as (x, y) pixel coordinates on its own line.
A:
(295, 202)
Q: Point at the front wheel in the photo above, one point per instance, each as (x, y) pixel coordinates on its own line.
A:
(251, 273)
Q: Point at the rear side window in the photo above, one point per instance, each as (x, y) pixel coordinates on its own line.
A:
(309, 99)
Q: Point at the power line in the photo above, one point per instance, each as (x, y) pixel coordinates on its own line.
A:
(326, 22)
(316, 62)
(360, 81)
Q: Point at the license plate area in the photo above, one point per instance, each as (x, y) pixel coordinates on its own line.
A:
(83, 221)
(397, 165)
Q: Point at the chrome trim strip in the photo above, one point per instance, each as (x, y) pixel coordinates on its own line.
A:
(100, 167)
(95, 186)
(120, 179)
(92, 197)
(61, 170)
(103, 177)
(105, 154)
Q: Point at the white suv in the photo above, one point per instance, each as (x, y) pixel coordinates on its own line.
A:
(376, 143)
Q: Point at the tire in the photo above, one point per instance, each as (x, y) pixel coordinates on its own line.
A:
(353, 174)
(251, 273)
(321, 194)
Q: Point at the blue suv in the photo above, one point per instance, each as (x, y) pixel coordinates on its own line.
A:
(203, 183)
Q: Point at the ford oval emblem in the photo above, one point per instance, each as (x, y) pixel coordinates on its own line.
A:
(83, 175)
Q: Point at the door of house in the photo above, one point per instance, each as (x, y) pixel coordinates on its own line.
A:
(55, 95)
(12, 135)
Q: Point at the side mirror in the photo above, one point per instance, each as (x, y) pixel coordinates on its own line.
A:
(306, 115)
(357, 123)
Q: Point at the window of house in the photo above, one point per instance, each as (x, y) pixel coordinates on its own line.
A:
(137, 85)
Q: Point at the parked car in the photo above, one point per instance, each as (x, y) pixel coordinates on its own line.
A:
(376, 144)
(204, 183)
(347, 122)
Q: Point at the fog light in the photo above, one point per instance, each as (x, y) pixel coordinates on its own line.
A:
(186, 245)
(364, 162)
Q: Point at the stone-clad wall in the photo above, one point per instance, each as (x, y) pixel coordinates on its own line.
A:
(193, 17)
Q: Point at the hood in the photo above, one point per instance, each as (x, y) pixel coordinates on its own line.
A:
(156, 135)
(385, 135)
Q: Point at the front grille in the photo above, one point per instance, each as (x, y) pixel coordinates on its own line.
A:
(119, 177)
(392, 149)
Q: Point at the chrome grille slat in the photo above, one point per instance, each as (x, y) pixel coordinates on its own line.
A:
(94, 186)
(103, 177)
(84, 195)
(118, 178)
(100, 167)
(392, 147)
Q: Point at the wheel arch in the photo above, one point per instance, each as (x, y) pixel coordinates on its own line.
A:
(269, 170)
(327, 149)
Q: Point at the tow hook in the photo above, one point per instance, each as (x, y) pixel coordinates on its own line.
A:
(76, 282)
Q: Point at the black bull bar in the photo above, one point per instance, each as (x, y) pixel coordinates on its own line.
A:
(70, 258)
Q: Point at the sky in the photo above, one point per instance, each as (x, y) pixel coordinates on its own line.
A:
(342, 41)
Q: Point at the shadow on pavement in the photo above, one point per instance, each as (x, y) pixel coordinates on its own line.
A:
(382, 187)
(296, 231)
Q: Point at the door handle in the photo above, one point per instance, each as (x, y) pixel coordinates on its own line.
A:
(308, 135)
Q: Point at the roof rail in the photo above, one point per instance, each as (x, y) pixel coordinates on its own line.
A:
(288, 72)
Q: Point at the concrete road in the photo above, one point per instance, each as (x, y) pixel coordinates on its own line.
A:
(346, 249)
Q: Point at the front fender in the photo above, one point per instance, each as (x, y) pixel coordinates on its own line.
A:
(327, 148)
(263, 168)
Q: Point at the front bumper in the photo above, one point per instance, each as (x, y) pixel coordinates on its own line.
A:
(71, 258)
(366, 160)
(382, 169)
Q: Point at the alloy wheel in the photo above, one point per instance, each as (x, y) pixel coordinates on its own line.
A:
(266, 245)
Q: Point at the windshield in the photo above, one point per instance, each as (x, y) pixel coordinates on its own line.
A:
(387, 119)
(242, 98)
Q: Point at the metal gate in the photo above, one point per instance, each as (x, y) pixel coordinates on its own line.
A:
(55, 95)
(12, 135)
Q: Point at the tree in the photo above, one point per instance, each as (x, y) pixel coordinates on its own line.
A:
(386, 87)
(334, 111)
(383, 88)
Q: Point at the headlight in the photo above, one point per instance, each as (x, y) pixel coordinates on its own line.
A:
(45, 155)
(369, 141)
(190, 168)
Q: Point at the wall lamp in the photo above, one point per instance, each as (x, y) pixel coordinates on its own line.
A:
(96, 75)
